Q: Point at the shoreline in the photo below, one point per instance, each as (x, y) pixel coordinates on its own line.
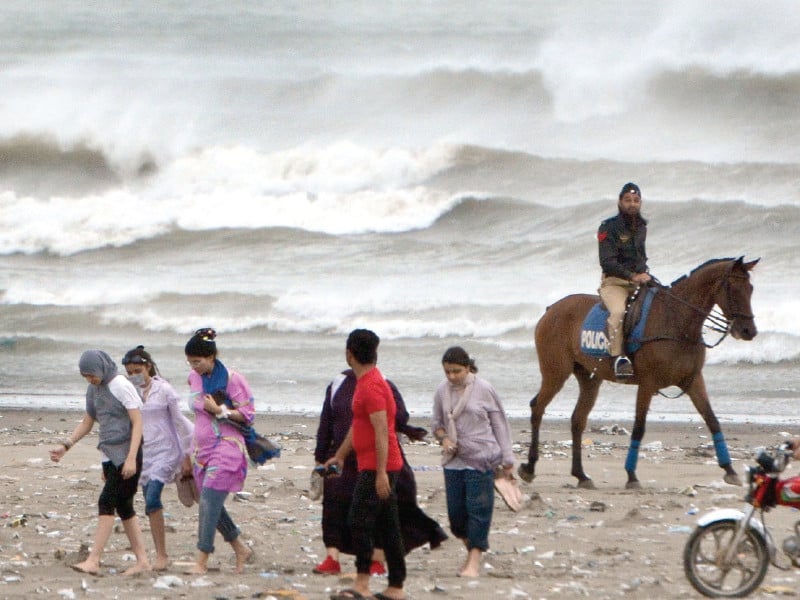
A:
(653, 423)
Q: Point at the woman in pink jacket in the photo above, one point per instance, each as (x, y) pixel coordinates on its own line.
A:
(220, 399)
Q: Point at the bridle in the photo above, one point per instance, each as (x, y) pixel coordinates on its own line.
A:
(713, 320)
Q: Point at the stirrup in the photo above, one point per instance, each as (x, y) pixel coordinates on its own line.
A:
(623, 368)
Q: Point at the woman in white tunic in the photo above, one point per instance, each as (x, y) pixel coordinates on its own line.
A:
(167, 440)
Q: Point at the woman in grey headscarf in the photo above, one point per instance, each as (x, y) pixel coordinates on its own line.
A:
(114, 403)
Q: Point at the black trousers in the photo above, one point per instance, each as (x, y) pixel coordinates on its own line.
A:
(375, 522)
(117, 495)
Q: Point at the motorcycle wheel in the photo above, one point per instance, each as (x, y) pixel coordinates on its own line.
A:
(704, 554)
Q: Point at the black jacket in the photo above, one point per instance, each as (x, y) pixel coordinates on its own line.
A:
(621, 245)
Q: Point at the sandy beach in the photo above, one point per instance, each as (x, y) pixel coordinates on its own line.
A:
(565, 542)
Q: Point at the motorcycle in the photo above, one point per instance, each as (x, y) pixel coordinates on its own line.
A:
(729, 552)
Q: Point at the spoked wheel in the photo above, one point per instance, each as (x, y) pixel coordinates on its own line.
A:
(705, 566)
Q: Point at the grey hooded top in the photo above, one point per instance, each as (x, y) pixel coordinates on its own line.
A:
(105, 408)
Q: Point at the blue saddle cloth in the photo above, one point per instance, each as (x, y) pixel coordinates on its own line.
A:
(593, 331)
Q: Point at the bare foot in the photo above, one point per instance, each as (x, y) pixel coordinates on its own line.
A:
(472, 566)
(90, 568)
(196, 570)
(470, 569)
(243, 556)
(137, 568)
(161, 564)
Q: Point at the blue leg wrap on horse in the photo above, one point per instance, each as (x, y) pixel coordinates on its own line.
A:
(721, 448)
(633, 456)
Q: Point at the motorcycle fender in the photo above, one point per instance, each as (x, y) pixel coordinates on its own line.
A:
(731, 514)
(722, 514)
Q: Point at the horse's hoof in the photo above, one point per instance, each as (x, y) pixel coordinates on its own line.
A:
(586, 484)
(633, 485)
(525, 473)
(732, 479)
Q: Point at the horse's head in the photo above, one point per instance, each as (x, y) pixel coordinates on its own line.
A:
(733, 297)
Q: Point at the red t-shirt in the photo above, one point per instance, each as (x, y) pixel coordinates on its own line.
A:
(373, 394)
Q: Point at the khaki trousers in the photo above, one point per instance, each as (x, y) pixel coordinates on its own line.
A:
(614, 294)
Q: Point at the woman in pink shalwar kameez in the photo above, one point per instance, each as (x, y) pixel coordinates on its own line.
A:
(219, 398)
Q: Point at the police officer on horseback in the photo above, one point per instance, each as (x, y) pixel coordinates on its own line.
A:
(624, 263)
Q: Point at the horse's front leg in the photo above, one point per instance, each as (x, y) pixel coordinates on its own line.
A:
(589, 387)
(584, 481)
(526, 470)
(643, 398)
(697, 392)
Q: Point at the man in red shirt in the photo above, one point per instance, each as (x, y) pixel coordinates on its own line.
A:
(373, 513)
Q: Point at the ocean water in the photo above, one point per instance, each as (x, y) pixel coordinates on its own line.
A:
(434, 171)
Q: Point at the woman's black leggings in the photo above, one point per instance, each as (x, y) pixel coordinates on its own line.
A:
(117, 495)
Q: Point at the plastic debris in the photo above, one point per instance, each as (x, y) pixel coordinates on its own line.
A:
(680, 529)
(18, 521)
(166, 582)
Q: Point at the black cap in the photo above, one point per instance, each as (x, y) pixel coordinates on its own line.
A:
(629, 187)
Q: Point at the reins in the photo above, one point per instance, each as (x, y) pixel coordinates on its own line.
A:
(713, 319)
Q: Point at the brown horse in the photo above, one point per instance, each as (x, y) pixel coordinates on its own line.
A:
(672, 353)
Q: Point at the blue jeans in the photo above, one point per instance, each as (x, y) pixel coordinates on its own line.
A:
(213, 517)
(152, 496)
(470, 502)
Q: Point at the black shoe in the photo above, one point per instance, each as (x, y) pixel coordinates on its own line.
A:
(623, 367)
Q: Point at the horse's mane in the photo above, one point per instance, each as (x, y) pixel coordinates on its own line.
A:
(703, 266)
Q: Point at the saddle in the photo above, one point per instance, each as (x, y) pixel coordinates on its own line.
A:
(594, 340)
